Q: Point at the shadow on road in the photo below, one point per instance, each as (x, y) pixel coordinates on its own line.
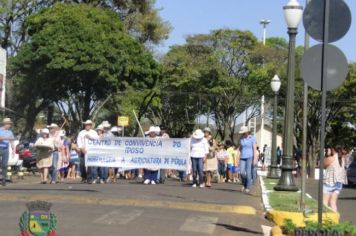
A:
(239, 229)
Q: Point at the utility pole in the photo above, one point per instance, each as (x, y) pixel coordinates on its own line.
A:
(305, 128)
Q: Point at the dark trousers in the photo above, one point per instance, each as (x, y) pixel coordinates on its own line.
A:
(150, 174)
(4, 153)
(83, 169)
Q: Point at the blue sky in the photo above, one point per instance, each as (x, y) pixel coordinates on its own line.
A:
(200, 16)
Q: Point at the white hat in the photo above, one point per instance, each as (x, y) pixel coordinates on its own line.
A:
(100, 127)
(88, 122)
(244, 129)
(7, 121)
(158, 129)
(44, 131)
(207, 129)
(106, 124)
(62, 133)
(115, 129)
(198, 134)
(52, 126)
(152, 129)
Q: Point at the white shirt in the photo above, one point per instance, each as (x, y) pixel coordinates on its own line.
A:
(199, 148)
(84, 134)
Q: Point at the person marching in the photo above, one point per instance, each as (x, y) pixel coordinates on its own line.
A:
(102, 170)
(86, 133)
(248, 157)
(53, 133)
(230, 160)
(64, 155)
(222, 157)
(199, 149)
(45, 147)
(150, 175)
(210, 164)
(6, 139)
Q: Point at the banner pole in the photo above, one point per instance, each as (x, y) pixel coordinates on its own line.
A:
(139, 124)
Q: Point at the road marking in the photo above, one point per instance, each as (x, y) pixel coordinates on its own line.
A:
(118, 217)
(90, 200)
(200, 224)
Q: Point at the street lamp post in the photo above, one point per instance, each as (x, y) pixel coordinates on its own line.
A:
(273, 169)
(293, 12)
(264, 24)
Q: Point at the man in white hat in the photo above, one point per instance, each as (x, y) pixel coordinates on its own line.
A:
(54, 134)
(199, 149)
(6, 139)
(248, 157)
(151, 175)
(87, 133)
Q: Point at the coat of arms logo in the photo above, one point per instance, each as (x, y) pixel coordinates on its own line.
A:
(38, 220)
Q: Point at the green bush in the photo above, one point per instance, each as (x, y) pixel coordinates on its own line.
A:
(343, 228)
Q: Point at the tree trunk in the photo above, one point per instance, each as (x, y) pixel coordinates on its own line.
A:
(30, 123)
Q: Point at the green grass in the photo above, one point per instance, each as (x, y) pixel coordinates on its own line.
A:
(270, 183)
(287, 201)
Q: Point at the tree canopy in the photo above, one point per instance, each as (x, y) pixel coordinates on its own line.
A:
(77, 56)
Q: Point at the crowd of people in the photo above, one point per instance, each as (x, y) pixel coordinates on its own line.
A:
(210, 161)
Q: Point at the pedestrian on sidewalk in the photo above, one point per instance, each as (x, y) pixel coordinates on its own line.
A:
(249, 157)
(86, 133)
(199, 149)
(6, 139)
(334, 178)
(44, 161)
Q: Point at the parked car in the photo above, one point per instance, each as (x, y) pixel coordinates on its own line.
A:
(351, 170)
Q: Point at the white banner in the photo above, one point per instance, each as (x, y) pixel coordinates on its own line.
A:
(136, 153)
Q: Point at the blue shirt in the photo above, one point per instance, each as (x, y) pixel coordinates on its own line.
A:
(4, 133)
(246, 147)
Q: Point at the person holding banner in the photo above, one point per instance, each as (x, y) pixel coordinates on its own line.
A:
(86, 133)
(150, 175)
(94, 170)
(199, 150)
(45, 147)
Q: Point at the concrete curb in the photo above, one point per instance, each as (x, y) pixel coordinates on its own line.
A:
(278, 217)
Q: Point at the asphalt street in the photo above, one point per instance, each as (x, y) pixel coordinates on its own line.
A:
(130, 208)
(346, 203)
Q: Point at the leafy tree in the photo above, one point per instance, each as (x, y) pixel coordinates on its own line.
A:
(78, 56)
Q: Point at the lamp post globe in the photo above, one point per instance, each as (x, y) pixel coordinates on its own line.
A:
(293, 13)
(273, 172)
(276, 84)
